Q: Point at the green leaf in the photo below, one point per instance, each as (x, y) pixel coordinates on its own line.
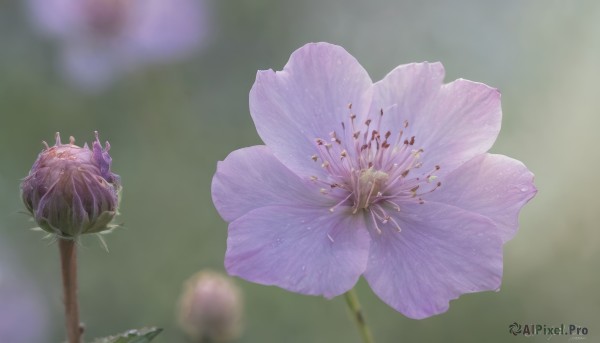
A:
(144, 335)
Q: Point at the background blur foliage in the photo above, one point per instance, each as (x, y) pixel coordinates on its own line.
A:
(169, 124)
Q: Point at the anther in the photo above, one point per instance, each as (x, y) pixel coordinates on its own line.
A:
(334, 137)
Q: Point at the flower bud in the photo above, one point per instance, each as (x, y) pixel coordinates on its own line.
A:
(210, 308)
(71, 190)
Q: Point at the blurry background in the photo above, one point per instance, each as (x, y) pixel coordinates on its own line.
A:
(169, 123)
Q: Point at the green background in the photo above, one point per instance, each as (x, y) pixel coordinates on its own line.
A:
(169, 124)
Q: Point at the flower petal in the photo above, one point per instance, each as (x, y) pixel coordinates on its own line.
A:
(441, 253)
(452, 122)
(252, 177)
(301, 249)
(307, 100)
(494, 186)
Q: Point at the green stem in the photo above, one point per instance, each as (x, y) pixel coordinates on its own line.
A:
(357, 314)
(68, 262)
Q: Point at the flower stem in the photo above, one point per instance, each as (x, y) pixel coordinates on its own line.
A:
(357, 314)
(68, 263)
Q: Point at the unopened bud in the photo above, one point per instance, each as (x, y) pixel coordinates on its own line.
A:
(210, 308)
(71, 190)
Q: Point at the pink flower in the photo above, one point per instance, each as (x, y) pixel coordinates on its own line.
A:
(103, 38)
(389, 180)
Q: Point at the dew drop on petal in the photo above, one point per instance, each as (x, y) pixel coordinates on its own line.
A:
(277, 242)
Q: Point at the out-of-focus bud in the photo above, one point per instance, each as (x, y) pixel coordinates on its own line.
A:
(210, 308)
(71, 190)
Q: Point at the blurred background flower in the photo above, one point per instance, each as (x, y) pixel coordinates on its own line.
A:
(23, 312)
(173, 121)
(103, 38)
(210, 308)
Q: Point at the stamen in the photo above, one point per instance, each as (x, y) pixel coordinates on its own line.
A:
(339, 203)
(396, 207)
(372, 169)
(396, 223)
(375, 223)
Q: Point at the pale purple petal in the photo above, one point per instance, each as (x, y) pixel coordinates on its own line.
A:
(308, 100)
(441, 253)
(251, 178)
(494, 186)
(452, 122)
(301, 249)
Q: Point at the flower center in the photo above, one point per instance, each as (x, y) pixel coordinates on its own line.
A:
(370, 182)
(373, 173)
